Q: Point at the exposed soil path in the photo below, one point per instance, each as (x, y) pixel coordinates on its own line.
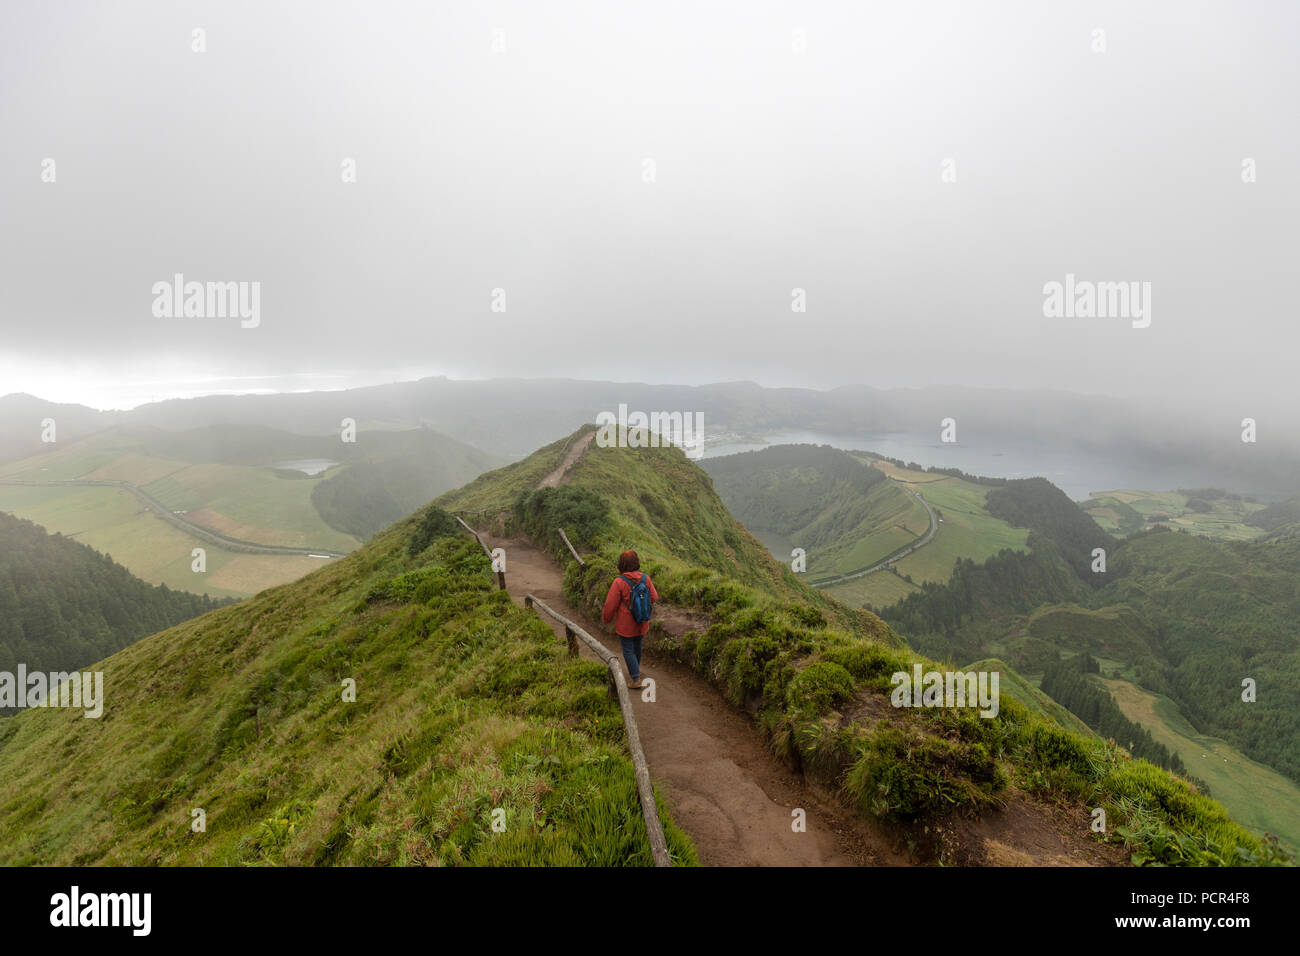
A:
(557, 476)
(726, 789)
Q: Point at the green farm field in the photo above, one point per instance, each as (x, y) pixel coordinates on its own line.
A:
(966, 530)
(1125, 511)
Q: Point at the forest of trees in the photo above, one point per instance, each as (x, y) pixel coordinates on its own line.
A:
(937, 620)
(1276, 515)
(1068, 684)
(1038, 504)
(64, 605)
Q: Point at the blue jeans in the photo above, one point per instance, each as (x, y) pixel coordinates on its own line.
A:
(632, 654)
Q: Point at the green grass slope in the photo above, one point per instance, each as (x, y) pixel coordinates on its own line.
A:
(464, 704)
(1035, 701)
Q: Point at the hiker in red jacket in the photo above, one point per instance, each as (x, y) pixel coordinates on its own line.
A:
(618, 608)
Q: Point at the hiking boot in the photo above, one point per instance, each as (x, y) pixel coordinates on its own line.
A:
(635, 685)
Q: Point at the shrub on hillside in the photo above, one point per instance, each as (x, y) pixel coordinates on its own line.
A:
(581, 512)
(820, 686)
(435, 523)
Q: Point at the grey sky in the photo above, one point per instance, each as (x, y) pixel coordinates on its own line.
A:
(524, 170)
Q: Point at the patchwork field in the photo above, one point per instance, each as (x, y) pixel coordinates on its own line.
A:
(1125, 511)
(252, 504)
(245, 502)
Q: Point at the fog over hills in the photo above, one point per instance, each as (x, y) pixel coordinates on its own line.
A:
(508, 417)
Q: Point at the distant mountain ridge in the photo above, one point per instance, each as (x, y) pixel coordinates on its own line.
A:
(510, 416)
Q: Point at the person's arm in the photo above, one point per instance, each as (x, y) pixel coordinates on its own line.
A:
(612, 601)
(654, 595)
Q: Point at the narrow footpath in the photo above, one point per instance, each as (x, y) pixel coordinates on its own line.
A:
(726, 789)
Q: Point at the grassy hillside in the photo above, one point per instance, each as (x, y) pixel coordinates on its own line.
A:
(967, 531)
(816, 674)
(114, 521)
(464, 703)
(814, 495)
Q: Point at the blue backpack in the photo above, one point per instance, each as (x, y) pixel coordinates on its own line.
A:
(639, 602)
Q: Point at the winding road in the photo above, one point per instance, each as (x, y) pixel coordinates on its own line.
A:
(901, 553)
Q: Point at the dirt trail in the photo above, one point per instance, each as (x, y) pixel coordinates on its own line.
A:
(556, 477)
(727, 790)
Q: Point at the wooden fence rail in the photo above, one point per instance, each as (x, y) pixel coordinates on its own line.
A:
(572, 550)
(649, 810)
(501, 575)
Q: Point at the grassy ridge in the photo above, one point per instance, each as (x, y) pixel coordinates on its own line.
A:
(816, 674)
(465, 703)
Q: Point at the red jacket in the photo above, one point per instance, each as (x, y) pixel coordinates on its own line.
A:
(618, 602)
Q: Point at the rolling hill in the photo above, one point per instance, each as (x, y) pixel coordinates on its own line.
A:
(852, 511)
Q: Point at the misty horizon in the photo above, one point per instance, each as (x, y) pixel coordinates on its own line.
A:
(807, 198)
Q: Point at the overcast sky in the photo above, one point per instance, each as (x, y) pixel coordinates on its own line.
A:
(794, 145)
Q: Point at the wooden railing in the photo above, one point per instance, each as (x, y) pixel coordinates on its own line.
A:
(572, 550)
(501, 575)
(644, 789)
